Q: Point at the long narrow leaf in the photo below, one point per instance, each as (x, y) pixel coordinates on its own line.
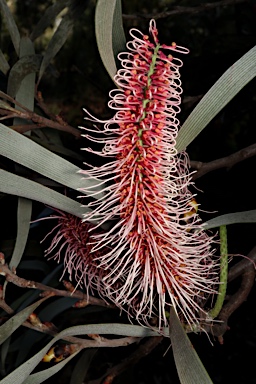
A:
(11, 25)
(4, 66)
(15, 321)
(24, 151)
(56, 43)
(75, 9)
(26, 65)
(109, 33)
(23, 221)
(22, 372)
(19, 186)
(40, 377)
(232, 218)
(189, 366)
(48, 18)
(25, 96)
(228, 85)
(80, 370)
(118, 36)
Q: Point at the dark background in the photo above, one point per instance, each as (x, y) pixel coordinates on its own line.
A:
(217, 37)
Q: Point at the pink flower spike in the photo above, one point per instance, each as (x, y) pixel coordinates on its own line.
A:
(157, 248)
(71, 245)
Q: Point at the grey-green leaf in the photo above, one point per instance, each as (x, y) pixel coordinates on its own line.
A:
(20, 186)
(40, 377)
(24, 95)
(48, 18)
(15, 321)
(23, 222)
(4, 65)
(11, 25)
(55, 44)
(80, 370)
(109, 33)
(189, 366)
(228, 85)
(118, 36)
(24, 151)
(22, 372)
(24, 66)
(75, 9)
(232, 218)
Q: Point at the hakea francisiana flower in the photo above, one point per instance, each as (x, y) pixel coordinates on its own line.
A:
(161, 257)
(72, 239)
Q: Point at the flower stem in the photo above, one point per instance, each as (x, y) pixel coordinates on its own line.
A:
(223, 273)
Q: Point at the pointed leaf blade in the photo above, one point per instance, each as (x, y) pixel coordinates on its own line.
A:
(48, 18)
(228, 85)
(22, 372)
(189, 366)
(11, 25)
(15, 321)
(109, 33)
(24, 151)
(232, 218)
(20, 186)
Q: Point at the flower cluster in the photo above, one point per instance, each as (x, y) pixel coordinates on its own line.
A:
(72, 238)
(156, 254)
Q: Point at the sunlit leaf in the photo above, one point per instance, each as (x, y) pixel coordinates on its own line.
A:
(228, 85)
(189, 366)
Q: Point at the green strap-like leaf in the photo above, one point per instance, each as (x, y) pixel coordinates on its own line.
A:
(19, 186)
(75, 9)
(118, 36)
(232, 218)
(4, 66)
(24, 151)
(25, 96)
(81, 368)
(228, 85)
(15, 321)
(26, 65)
(56, 43)
(40, 377)
(189, 366)
(109, 33)
(23, 222)
(11, 25)
(48, 18)
(22, 372)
